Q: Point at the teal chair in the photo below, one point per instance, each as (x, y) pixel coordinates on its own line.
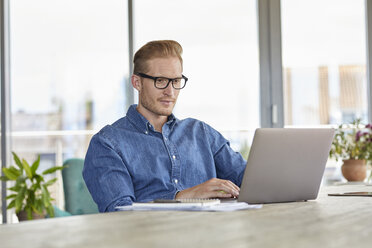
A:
(77, 197)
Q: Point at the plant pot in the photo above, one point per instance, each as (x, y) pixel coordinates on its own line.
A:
(354, 170)
(22, 215)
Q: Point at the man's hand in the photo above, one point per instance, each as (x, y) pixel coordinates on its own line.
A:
(212, 188)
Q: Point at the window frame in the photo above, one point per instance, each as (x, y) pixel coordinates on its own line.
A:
(271, 80)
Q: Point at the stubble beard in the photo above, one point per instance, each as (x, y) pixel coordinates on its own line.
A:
(152, 105)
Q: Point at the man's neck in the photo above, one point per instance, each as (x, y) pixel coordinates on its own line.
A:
(157, 121)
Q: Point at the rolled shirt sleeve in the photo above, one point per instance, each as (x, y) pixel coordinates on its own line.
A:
(107, 176)
(230, 165)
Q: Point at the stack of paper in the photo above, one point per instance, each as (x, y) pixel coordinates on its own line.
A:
(190, 205)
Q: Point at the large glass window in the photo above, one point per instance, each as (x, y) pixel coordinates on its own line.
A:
(220, 45)
(68, 70)
(324, 60)
(324, 65)
(69, 67)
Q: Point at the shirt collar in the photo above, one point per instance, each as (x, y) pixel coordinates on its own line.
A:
(172, 120)
(141, 123)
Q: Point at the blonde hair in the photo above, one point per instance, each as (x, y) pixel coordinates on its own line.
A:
(156, 49)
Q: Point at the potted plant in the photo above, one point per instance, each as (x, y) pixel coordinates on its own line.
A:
(30, 198)
(353, 145)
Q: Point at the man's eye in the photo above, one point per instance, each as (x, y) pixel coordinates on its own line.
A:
(162, 81)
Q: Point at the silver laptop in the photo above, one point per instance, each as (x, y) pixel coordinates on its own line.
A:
(285, 164)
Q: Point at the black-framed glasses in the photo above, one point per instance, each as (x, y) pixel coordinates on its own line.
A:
(163, 82)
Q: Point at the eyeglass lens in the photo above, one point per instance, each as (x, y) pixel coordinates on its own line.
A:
(178, 83)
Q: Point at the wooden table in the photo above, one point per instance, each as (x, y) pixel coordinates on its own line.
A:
(326, 222)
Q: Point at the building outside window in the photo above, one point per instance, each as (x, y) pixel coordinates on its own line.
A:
(324, 62)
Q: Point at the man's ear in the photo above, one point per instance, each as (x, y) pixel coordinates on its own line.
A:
(136, 82)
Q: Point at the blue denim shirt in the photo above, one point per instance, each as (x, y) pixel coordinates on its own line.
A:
(129, 161)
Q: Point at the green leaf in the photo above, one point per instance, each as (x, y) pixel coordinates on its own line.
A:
(39, 178)
(29, 212)
(12, 172)
(50, 182)
(27, 168)
(35, 186)
(50, 210)
(15, 189)
(19, 199)
(20, 182)
(35, 165)
(39, 206)
(53, 169)
(45, 196)
(17, 160)
(11, 204)
(30, 196)
(4, 178)
(11, 196)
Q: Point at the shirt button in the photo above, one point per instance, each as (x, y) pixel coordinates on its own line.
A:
(174, 157)
(146, 132)
(175, 181)
(165, 138)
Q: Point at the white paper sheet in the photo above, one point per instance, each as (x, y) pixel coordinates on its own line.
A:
(222, 207)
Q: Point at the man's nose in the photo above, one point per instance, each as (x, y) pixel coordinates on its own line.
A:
(169, 91)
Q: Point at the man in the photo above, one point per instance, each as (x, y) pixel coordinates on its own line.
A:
(150, 154)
